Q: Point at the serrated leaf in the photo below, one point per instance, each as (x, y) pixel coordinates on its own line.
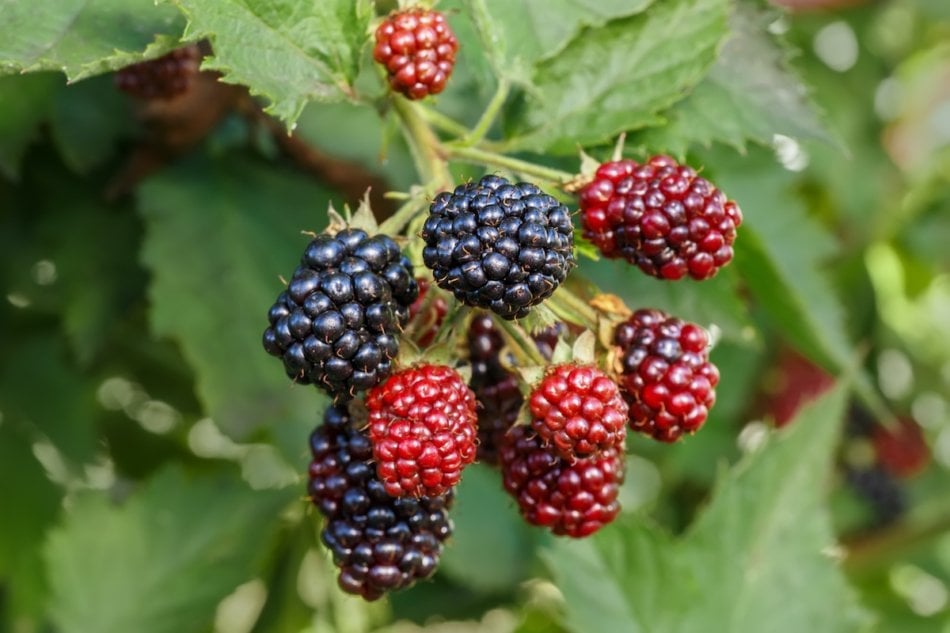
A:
(762, 539)
(24, 103)
(162, 561)
(617, 77)
(84, 37)
(750, 94)
(517, 34)
(218, 237)
(287, 51)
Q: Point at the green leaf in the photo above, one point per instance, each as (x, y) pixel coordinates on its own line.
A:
(24, 485)
(617, 77)
(24, 104)
(750, 94)
(84, 37)
(163, 560)
(287, 51)
(755, 560)
(219, 236)
(515, 35)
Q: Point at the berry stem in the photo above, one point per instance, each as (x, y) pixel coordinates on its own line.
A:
(442, 122)
(569, 307)
(489, 115)
(403, 215)
(491, 159)
(520, 342)
(424, 145)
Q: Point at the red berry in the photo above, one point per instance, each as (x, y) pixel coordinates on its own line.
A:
(578, 411)
(570, 498)
(660, 216)
(418, 49)
(901, 451)
(795, 382)
(162, 78)
(422, 425)
(667, 378)
(425, 317)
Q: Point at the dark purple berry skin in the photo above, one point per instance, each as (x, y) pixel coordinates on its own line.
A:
(163, 78)
(500, 246)
(336, 324)
(882, 492)
(379, 543)
(661, 216)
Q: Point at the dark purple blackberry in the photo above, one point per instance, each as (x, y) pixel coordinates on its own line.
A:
(336, 324)
(163, 78)
(884, 495)
(500, 246)
(380, 543)
(496, 389)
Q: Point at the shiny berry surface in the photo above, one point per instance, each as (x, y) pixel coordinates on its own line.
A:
(569, 498)
(417, 47)
(661, 216)
(667, 378)
(578, 411)
(422, 424)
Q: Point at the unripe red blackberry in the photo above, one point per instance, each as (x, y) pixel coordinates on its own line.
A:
(418, 49)
(336, 325)
(422, 424)
(661, 216)
(500, 246)
(573, 499)
(578, 411)
(667, 378)
(902, 451)
(380, 543)
(163, 78)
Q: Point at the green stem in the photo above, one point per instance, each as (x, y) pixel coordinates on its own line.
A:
(403, 216)
(884, 547)
(490, 159)
(424, 145)
(569, 307)
(489, 115)
(442, 122)
(520, 341)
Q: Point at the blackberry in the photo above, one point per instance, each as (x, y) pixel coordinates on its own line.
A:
(496, 389)
(417, 48)
(660, 216)
(902, 450)
(379, 543)
(163, 78)
(572, 498)
(500, 246)
(336, 325)
(667, 378)
(884, 495)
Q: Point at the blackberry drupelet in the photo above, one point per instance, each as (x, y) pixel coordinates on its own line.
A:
(418, 49)
(884, 494)
(667, 378)
(379, 543)
(570, 498)
(336, 325)
(661, 216)
(163, 78)
(500, 246)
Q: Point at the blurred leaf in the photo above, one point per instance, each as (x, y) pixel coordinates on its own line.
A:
(33, 503)
(162, 560)
(88, 119)
(750, 94)
(41, 387)
(287, 51)
(760, 541)
(486, 521)
(617, 77)
(84, 37)
(219, 236)
(24, 104)
(515, 35)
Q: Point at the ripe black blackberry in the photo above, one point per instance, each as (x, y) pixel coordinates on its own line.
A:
(163, 78)
(884, 495)
(496, 389)
(336, 324)
(380, 543)
(497, 245)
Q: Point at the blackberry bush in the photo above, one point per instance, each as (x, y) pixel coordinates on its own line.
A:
(166, 77)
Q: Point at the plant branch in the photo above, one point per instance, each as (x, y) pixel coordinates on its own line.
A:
(521, 342)
(489, 115)
(442, 122)
(424, 145)
(491, 159)
(882, 547)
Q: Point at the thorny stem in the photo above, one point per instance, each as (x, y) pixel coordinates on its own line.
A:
(520, 341)
(488, 116)
(490, 159)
